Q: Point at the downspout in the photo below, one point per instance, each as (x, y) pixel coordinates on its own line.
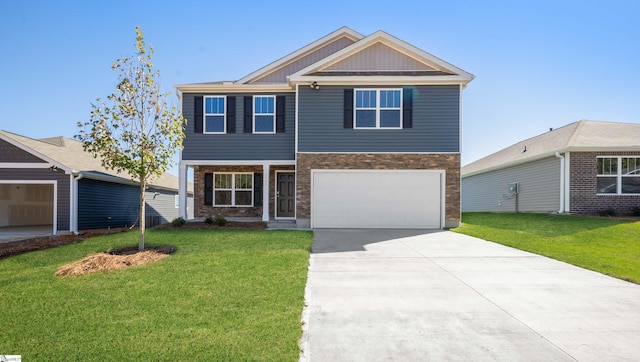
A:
(562, 176)
(78, 176)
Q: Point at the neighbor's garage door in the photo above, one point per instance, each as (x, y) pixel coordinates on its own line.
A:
(377, 199)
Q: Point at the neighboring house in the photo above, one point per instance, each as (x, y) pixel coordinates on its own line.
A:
(52, 181)
(582, 168)
(350, 131)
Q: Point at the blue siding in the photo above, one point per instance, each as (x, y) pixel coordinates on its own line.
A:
(11, 153)
(239, 145)
(436, 123)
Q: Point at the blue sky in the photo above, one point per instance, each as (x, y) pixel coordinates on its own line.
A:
(538, 64)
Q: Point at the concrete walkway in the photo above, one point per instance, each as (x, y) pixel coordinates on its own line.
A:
(17, 233)
(385, 295)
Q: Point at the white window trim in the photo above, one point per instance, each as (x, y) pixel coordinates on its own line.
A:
(264, 114)
(176, 201)
(233, 188)
(205, 114)
(618, 176)
(377, 108)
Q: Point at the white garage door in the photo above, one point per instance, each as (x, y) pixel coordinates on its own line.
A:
(377, 199)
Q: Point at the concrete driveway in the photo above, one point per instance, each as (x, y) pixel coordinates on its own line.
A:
(18, 233)
(402, 295)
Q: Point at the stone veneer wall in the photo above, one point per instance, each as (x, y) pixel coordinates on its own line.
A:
(449, 162)
(583, 188)
(201, 210)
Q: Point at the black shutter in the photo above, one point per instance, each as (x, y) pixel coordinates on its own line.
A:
(208, 189)
(231, 114)
(257, 189)
(407, 108)
(197, 114)
(248, 114)
(348, 108)
(280, 105)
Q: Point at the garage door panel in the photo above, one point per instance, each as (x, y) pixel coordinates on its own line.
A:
(376, 199)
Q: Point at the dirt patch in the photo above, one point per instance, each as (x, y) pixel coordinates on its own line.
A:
(115, 259)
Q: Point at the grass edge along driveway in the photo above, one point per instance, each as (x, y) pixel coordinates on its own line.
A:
(224, 295)
(605, 245)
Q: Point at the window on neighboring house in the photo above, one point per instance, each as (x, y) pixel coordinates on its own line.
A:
(214, 115)
(264, 114)
(619, 175)
(378, 108)
(233, 189)
(176, 201)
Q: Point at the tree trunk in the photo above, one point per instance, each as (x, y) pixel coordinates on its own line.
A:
(142, 213)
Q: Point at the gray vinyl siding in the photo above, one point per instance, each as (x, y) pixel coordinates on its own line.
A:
(41, 174)
(436, 123)
(239, 145)
(539, 184)
(11, 153)
(105, 204)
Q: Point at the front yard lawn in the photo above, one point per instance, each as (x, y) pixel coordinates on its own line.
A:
(224, 295)
(605, 245)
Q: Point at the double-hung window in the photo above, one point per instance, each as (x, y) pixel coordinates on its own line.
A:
(214, 114)
(618, 175)
(264, 114)
(233, 189)
(378, 108)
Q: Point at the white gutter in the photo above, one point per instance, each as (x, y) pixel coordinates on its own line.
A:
(562, 176)
(74, 204)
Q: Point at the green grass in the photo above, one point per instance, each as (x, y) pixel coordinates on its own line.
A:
(608, 246)
(223, 296)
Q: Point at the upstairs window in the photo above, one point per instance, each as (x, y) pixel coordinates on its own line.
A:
(618, 175)
(378, 108)
(214, 115)
(264, 114)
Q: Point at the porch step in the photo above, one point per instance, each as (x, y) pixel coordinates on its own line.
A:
(281, 224)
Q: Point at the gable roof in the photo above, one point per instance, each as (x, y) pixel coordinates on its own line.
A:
(581, 136)
(67, 154)
(346, 56)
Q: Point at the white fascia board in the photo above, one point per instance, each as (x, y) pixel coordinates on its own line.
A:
(238, 162)
(395, 43)
(23, 147)
(379, 79)
(350, 33)
(233, 88)
(25, 165)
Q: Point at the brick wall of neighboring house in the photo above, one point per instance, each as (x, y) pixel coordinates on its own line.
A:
(202, 210)
(583, 188)
(448, 162)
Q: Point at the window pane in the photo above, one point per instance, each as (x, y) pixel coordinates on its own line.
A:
(264, 124)
(214, 124)
(214, 105)
(365, 99)
(389, 118)
(631, 185)
(390, 99)
(243, 198)
(365, 119)
(607, 185)
(223, 197)
(631, 166)
(244, 181)
(607, 166)
(263, 105)
(223, 181)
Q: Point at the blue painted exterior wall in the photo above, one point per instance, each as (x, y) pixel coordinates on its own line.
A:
(436, 123)
(238, 145)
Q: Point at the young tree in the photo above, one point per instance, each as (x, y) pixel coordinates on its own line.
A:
(134, 131)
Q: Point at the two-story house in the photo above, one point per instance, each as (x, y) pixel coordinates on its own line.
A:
(350, 131)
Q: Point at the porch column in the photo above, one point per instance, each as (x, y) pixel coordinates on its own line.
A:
(182, 191)
(265, 192)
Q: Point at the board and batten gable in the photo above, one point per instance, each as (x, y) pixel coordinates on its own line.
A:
(435, 122)
(238, 145)
(538, 183)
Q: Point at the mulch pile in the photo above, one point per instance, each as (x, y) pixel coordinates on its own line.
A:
(116, 259)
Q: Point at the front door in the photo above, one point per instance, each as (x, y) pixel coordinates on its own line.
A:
(285, 194)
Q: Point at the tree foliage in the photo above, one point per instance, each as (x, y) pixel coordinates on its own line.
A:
(134, 131)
